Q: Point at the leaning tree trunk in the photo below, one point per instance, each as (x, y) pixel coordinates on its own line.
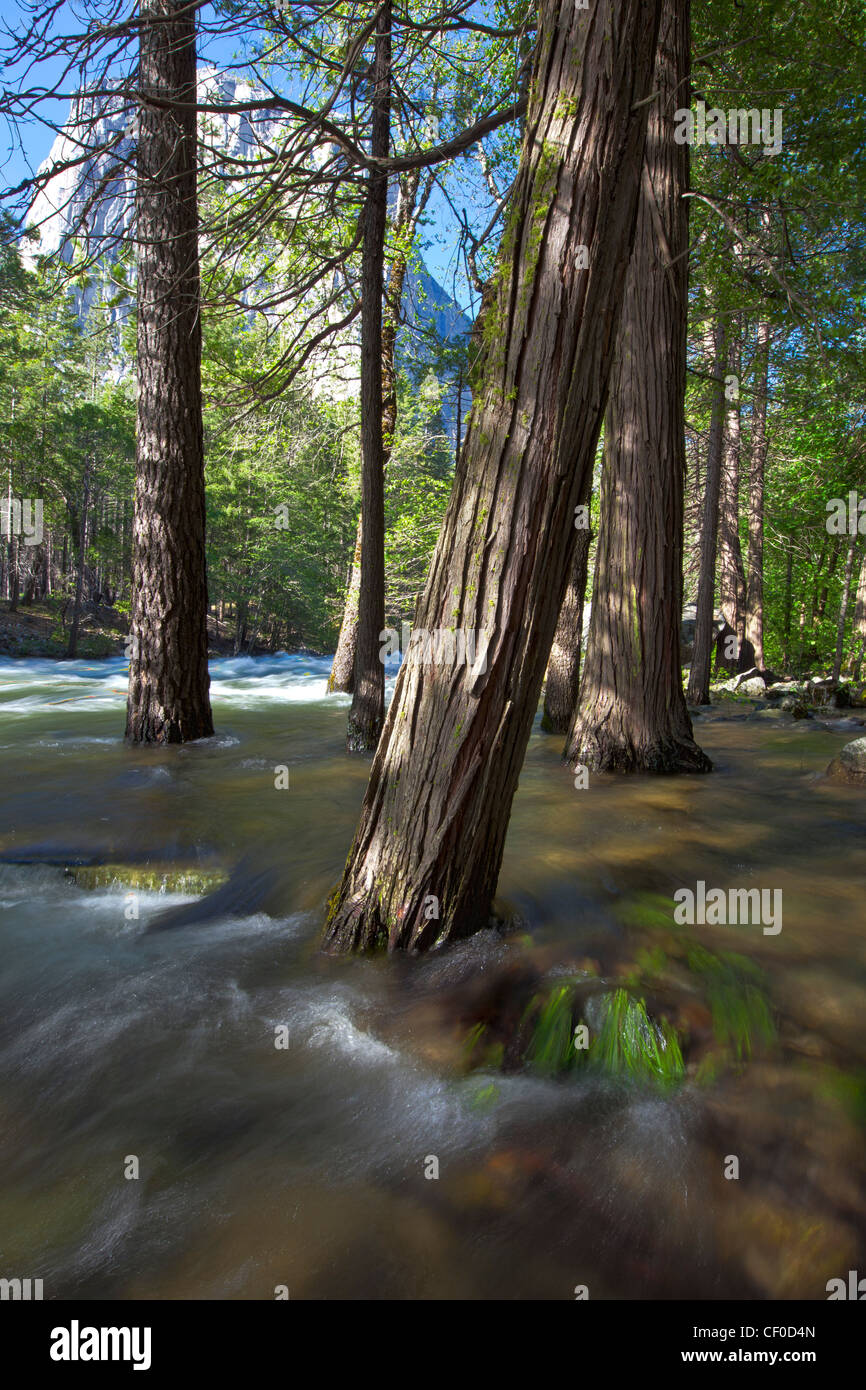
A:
(563, 669)
(702, 652)
(368, 698)
(426, 856)
(168, 676)
(755, 589)
(631, 715)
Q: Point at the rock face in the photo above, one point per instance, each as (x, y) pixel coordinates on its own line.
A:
(100, 195)
(850, 766)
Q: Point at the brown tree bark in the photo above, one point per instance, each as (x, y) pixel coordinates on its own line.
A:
(631, 715)
(702, 652)
(409, 209)
(342, 677)
(83, 527)
(427, 853)
(858, 636)
(563, 669)
(788, 605)
(732, 573)
(368, 696)
(755, 587)
(843, 607)
(168, 698)
(13, 572)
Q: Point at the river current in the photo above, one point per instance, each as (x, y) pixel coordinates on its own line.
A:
(215, 1110)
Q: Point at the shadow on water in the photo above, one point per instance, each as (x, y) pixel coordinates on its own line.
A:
(287, 1113)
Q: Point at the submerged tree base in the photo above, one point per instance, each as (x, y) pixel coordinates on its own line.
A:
(666, 756)
(362, 736)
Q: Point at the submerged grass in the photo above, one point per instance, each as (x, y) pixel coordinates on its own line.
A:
(732, 987)
(551, 1048)
(627, 1042)
(712, 1007)
(631, 1044)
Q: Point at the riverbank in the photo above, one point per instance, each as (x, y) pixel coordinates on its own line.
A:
(42, 630)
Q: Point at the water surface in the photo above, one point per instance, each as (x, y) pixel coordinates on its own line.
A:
(304, 1165)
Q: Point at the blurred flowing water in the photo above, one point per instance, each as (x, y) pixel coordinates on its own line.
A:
(304, 1166)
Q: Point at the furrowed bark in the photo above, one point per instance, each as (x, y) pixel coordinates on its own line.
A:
(843, 608)
(631, 715)
(437, 806)
(858, 636)
(702, 653)
(368, 696)
(755, 588)
(168, 698)
(342, 677)
(563, 669)
(732, 574)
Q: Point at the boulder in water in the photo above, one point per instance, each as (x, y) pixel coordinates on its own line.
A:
(779, 689)
(752, 685)
(792, 704)
(850, 766)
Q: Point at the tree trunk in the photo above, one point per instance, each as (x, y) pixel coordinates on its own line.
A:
(858, 636)
(14, 577)
(368, 697)
(732, 574)
(631, 715)
(563, 669)
(72, 648)
(168, 676)
(702, 652)
(342, 677)
(843, 608)
(755, 588)
(425, 861)
(788, 603)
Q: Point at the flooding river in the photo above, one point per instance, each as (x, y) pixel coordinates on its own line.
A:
(310, 1165)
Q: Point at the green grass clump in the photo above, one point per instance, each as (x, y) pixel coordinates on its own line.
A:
(631, 1044)
(551, 1048)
